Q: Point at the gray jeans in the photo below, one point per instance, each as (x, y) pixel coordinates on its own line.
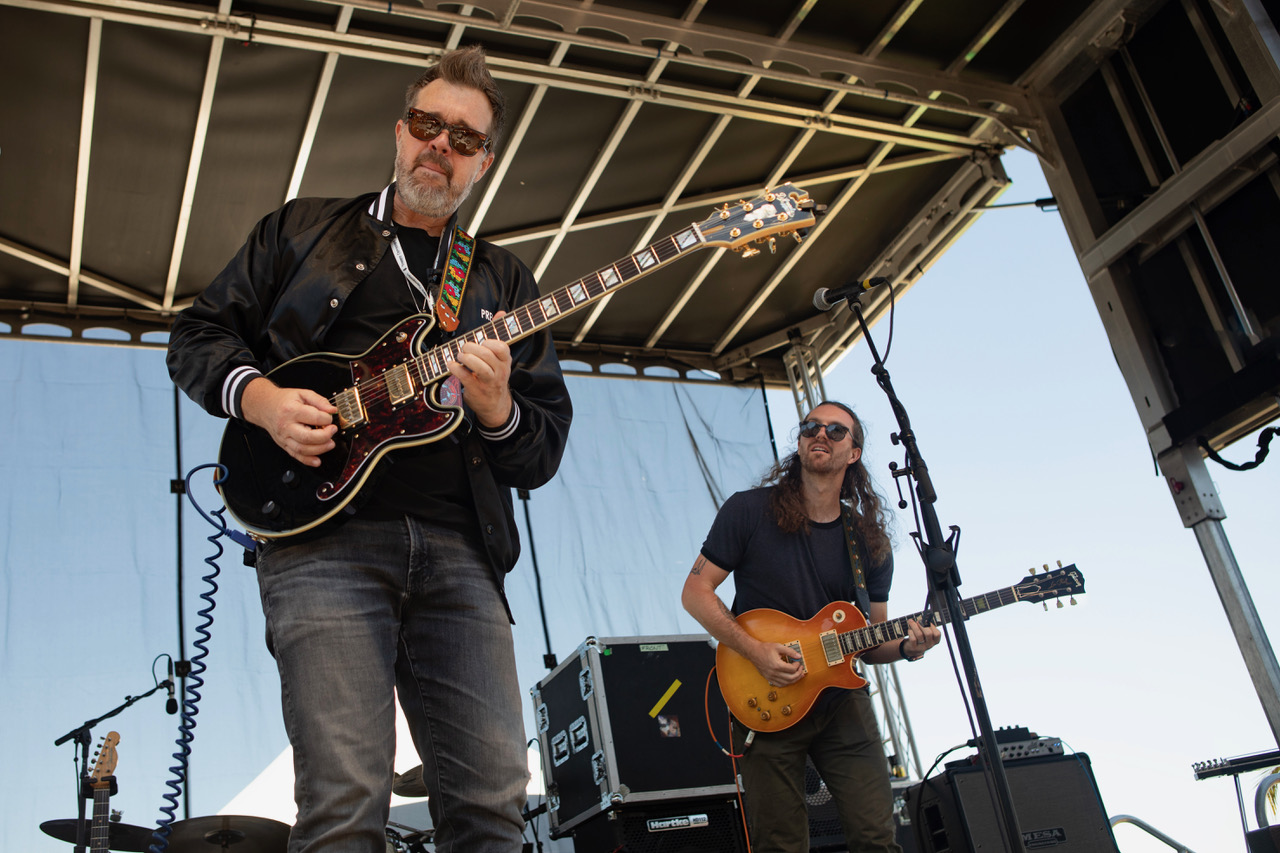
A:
(841, 736)
(382, 605)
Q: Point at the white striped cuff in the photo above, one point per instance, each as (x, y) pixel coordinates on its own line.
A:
(233, 388)
(506, 430)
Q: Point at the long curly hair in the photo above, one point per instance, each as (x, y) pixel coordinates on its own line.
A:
(871, 522)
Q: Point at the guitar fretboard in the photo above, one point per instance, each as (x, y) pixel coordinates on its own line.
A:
(527, 319)
(861, 639)
(100, 829)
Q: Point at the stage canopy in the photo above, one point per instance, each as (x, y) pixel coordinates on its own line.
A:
(145, 138)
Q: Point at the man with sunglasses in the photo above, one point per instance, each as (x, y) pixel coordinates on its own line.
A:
(813, 533)
(402, 594)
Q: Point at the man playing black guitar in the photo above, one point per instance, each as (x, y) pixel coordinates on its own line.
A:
(815, 534)
(401, 585)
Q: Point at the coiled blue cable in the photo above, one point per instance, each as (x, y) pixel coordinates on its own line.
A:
(191, 695)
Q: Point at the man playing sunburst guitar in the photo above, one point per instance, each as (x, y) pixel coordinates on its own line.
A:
(401, 585)
(791, 547)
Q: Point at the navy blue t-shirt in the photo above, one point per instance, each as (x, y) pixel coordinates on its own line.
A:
(795, 573)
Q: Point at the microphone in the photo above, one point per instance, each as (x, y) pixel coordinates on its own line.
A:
(825, 299)
(171, 706)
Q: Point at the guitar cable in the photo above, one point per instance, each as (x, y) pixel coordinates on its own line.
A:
(191, 693)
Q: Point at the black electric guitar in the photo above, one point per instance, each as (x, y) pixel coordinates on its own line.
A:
(829, 642)
(103, 781)
(389, 396)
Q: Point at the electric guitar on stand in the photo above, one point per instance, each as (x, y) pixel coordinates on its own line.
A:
(828, 644)
(103, 782)
(390, 396)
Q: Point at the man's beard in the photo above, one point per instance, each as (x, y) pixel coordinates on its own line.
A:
(425, 197)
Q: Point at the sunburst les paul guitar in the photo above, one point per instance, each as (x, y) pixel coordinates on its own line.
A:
(390, 396)
(828, 644)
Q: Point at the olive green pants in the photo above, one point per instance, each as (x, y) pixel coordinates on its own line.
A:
(841, 736)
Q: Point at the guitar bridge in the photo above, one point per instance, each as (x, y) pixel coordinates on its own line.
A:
(350, 411)
(399, 384)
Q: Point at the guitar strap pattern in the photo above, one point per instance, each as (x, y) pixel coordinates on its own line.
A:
(454, 282)
(851, 541)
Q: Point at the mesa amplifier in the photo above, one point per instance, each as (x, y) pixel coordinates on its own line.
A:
(1055, 797)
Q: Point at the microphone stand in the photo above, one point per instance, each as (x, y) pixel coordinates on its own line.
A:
(944, 580)
(81, 735)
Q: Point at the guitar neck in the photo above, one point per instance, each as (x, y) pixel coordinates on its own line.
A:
(530, 318)
(861, 639)
(100, 829)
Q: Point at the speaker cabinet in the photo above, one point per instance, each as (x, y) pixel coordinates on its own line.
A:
(1055, 797)
(675, 826)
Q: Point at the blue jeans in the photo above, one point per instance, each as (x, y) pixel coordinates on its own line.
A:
(377, 605)
(841, 736)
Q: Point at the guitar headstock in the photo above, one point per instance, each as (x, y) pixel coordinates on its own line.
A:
(1068, 581)
(106, 764)
(782, 210)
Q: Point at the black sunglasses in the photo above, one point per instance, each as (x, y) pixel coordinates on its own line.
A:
(835, 432)
(427, 127)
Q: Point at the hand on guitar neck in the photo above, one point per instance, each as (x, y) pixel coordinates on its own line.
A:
(484, 369)
(299, 420)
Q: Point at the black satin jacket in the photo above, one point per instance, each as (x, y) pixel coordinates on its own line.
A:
(284, 288)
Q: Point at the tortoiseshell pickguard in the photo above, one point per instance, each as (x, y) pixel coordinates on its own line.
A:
(273, 495)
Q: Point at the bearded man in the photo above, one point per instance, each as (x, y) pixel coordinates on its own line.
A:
(402, 591)
(814, 533)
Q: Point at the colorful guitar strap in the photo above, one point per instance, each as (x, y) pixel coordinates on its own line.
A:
(454, 282)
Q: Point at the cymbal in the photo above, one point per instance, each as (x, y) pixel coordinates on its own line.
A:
(124, 837)
(233, 833)
(409, 783)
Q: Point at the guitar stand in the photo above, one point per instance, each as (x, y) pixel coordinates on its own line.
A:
(944, 579)
(83, 737)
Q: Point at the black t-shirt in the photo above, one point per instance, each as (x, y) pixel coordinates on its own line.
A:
(795, 573)
(429, 480)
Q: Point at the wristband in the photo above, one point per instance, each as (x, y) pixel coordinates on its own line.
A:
(902, 651)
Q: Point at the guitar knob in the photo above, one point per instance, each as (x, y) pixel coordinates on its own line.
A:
(271, 509)
(289, 477)
(786, 710)
(751, 703)
(773, 696)
(765, 715)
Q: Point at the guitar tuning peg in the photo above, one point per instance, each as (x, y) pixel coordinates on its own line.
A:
(1046, 604)
(1073, 601)
(1059, 603)
(749, 251)
(1046, 567)
(799, 238)
(1033, 570)
(1059, 564)
(773, 246)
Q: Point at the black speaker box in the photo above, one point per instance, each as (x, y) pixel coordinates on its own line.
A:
(1055, 797)
(675, 826)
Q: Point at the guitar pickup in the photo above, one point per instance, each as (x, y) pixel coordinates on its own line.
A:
(350, 410)
(399, 384)
(831, 648)
(797, 654)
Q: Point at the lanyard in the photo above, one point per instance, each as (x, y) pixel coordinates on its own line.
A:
(414, 283)
(453, 256)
